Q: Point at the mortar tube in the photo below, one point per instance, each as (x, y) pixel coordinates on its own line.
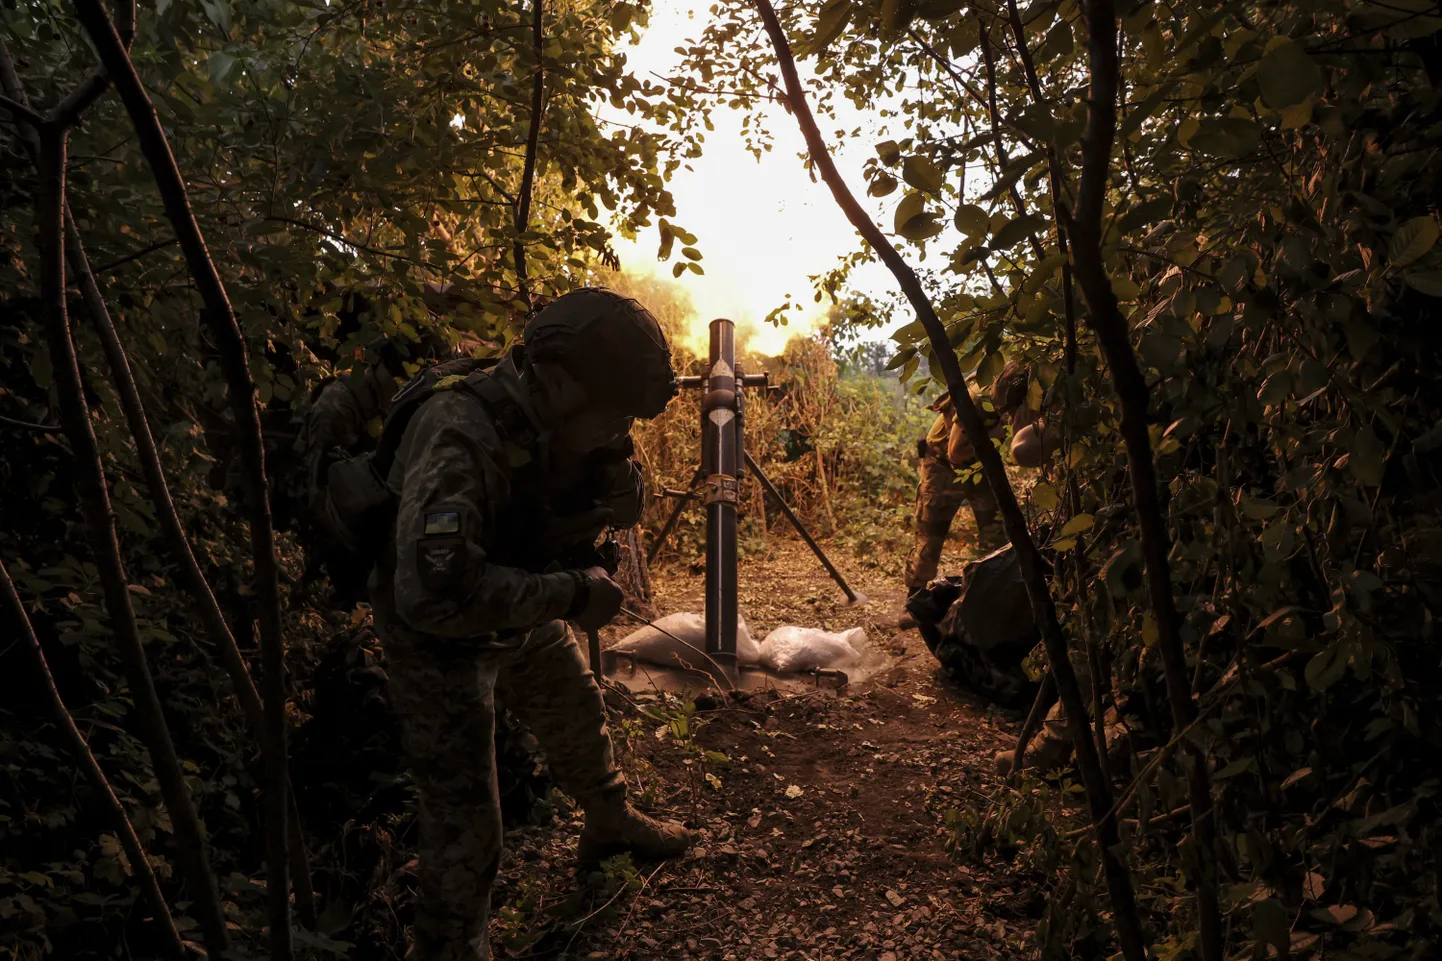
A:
(721, 467)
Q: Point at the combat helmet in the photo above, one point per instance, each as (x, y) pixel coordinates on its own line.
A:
(611, 344)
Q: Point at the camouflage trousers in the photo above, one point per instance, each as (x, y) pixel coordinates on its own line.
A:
(443, 693)
(938, 498)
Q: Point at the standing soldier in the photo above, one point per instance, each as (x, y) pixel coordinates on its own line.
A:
(951, 474)
(470, 594)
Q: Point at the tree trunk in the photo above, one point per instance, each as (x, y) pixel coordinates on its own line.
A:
(1099, 794)
(1112, 334)
(100, 525)
(220, 319)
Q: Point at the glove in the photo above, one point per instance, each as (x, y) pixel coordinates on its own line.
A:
(598, 600)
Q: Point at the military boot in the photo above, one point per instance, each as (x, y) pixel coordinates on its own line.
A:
(616, 828)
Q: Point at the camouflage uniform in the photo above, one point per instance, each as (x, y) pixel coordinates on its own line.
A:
(345, 413)
(939, 496)
(460, 622)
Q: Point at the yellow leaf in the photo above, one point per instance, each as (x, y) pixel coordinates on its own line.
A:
(1297, 117)
(1150, 633)
(1078, 525)
(1412, 240)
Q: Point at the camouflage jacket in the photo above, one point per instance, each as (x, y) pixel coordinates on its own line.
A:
(476, 549)
(345, 414)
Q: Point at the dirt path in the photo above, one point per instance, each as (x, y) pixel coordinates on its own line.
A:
(826, 838)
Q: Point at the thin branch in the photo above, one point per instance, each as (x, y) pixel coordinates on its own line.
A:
(28, 425)
(1001, 153)
(1106, 320)
(22, 112)
(143, 252)
(533, 137)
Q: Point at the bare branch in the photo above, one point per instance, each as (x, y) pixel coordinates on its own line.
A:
(22, 112)
(533, 137)
(143, 252)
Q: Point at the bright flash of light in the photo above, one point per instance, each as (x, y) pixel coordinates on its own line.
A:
(755, 335)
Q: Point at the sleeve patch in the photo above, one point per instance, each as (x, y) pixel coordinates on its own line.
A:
(441, 563)
(442, 523)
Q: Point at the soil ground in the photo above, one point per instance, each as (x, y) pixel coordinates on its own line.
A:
(826, 838)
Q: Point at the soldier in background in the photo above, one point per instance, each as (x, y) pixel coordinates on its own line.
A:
(951, 474)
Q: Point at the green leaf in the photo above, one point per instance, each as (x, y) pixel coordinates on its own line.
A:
(1427, 282)
(1147, 212)
(882, 185)
(1044, 496)
(1154, 45)
(220, 65)
(829, 24)
(1125, 288)
(921, 173)
(939, 9)
(1226, 136)
(889, 152)
(1079, 524)
(690, 253)
(1239, 766)
(1137, 115)
(1325, 668)
(991, 365)
(913, 221)
(1287, 74)
(1412, 241)
(903, 356)
(972, 220)
(1368, 460)
(1272, 923)
(1016, 231)
(1043, 272)
(896, 16)
(218, 13)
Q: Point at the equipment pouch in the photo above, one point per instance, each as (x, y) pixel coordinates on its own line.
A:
(355, 496)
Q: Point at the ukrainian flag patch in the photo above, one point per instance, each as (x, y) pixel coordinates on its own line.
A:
(443, 522)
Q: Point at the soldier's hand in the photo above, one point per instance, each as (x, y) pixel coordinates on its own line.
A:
(603, 600)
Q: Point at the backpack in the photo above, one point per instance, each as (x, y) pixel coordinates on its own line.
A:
(358, 506)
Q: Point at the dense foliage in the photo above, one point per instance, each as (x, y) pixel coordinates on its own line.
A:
(1271, 232)
(1272, 228)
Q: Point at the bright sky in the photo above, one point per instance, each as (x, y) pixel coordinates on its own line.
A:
(763, 226)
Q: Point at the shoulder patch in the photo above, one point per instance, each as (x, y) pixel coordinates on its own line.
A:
(442, 523)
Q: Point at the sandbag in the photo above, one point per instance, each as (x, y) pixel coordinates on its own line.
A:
(657, 647)
(788, 650)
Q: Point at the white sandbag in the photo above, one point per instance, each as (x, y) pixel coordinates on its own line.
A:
(787, 650)
(658, 647)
